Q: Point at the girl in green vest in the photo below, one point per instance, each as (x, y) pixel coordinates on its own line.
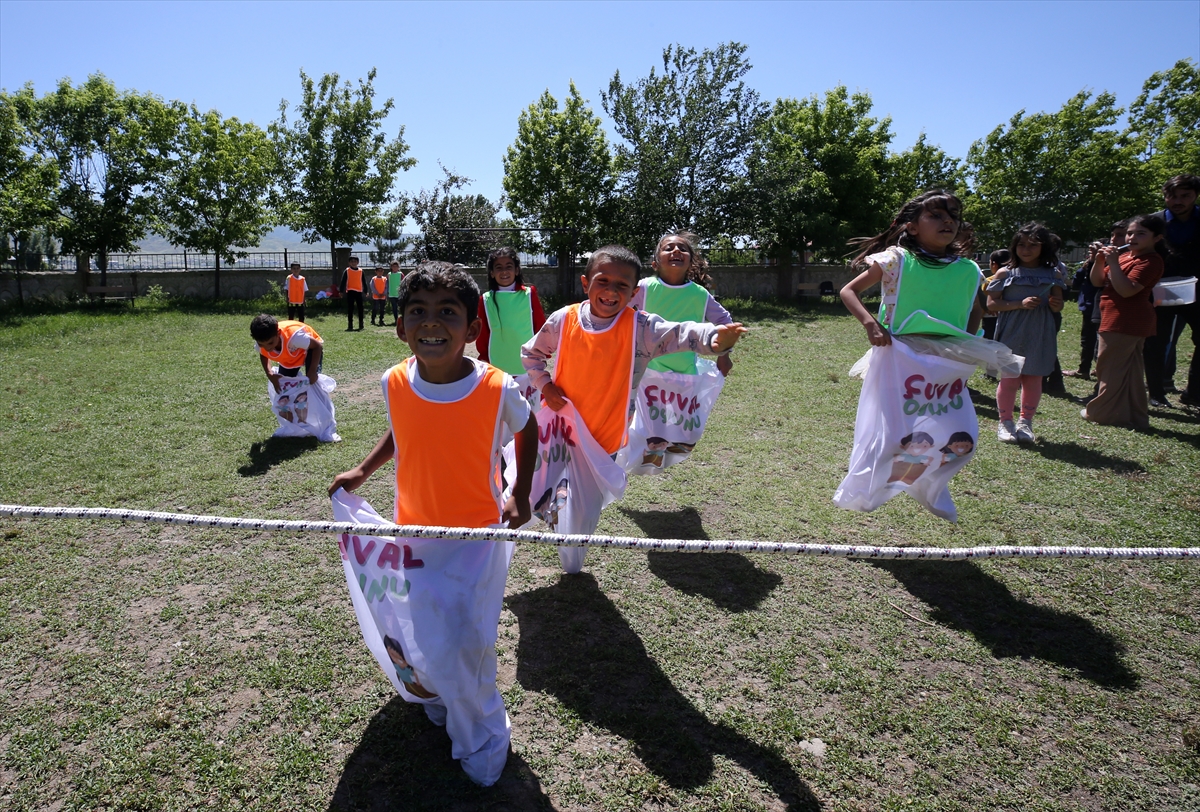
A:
(511, 314)
(678, 292)
(928, 285)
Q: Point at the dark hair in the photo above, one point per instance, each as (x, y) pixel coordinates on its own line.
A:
(1038, 233)
(614, 253)
(393, 644)
(1156, 225)
(432, 275)
(512, 254)
(1000, 256)
(1120, 224)
(958, 437)
(294, 265)
(264, 327)
(1185, 181)
(918, 437)
(699, 265)
(897, 232)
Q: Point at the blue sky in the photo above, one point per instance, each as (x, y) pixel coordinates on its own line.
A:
(460, 73)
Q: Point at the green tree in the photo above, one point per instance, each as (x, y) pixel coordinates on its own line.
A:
(817, 173)
(454, 227)
(111, 148)
(919, 168)
(1164, 122)
(387, 235)
(558, 172)
(336, 165)
(214, 196)
(1071, 170)
(687, 134)
(27, 179)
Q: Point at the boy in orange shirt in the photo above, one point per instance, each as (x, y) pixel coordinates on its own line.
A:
(446, 414)
(297, 290)
(379, 287)
(352, 286)
(602, 348)
(291, 344)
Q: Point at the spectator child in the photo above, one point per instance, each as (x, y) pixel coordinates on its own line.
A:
(996, 262)
(297, 289)
(394, 278)
(352, 288)
(378, 296)
(1126, 281)
(1025, 295)
(510, 312)
(443, 412)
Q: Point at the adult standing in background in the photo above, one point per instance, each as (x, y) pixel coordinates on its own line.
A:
(352, 288)
(1182, 239)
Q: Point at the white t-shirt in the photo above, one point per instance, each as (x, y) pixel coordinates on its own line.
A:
(514, 409)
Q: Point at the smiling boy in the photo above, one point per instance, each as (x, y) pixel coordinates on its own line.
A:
(445, 412)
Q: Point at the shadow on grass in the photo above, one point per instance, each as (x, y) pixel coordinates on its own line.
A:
(1083, 457)
(575, 645)
(985, 405)
(965, 597)
(729, 580)
(265, 455)
(403, 761)
(1176, 415)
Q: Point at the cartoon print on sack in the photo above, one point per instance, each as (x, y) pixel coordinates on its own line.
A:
(908, 466)
(552, 501)
(301, 406)
(680, 448)
(960, 444)
(405, 672)
(284, 408)
(656, 448)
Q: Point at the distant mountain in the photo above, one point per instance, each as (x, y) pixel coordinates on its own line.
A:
(279, 239)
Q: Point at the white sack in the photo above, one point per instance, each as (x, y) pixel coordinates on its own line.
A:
(670, 412)
(435, 604)
(303, 409)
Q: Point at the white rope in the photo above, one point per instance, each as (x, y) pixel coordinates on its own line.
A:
(616, 542)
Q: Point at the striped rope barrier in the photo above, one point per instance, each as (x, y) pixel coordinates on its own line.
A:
(602, 542)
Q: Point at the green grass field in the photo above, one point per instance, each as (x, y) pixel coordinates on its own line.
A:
(145, 667)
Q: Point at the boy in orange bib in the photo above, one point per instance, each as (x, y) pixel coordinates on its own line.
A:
(297, 290)
(291, 344)
(602, 347)
(446, 415)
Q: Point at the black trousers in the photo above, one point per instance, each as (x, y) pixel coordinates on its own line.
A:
(377, 311)
(296, 311)
(1160, 350)
(1087, 343)
(354, 298)
(395, 301)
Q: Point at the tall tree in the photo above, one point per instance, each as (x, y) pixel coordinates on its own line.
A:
(922, 167)
(1071, 170)
(558, 172)
(817, 171)
(1164, 121)
(27, 179)
(387, 235)
(111, 148)
(214, 197)
(454, 227)
(337, 167)
(687, 133)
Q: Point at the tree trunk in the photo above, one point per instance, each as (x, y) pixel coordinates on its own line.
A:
(102, 261)
(333, 263)
(566, 277)
(217, 275)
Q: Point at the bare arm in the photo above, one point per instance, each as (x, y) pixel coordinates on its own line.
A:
(975, 318)
(383, 451)
(315, 350)
(851, 296)
(266, 365)
(517, 510)
(1121, 283)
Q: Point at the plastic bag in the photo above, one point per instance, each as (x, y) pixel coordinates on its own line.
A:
(915, 429)
(303, 409)
(573, 479)
(670, 412)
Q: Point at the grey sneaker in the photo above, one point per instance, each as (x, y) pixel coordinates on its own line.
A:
(1007, 432)
(1024, 431)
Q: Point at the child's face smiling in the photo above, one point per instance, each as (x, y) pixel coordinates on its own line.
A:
(935, 230)
(672, 261)
(962, 448)
(919, 446)
(504, 271)
(1029, 252)
(436, 329)
(610, 288)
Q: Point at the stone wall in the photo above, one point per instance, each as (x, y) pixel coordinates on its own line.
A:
(744, 281)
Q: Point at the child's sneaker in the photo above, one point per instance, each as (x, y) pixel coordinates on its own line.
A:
(1024, 430)
(1007, 432)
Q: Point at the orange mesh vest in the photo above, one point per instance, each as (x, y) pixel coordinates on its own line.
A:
(285, 357)
(354, 279)
(447, 477)
(378, 287)
(595, 370)
(295, 289)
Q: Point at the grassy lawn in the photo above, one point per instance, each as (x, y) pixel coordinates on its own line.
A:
(145, 667)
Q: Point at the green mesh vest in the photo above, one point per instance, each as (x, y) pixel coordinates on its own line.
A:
(510, 320)
(944, 291)
(683, 303)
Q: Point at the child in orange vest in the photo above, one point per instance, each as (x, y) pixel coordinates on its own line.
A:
(602, 347)
(445, 412)
(297, 289)
(379, 287)
(352, 288)
(291, 344)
